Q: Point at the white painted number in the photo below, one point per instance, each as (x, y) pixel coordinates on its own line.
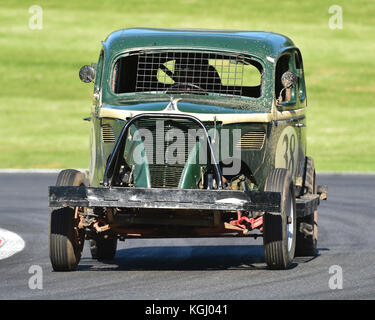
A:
(286, 150)
(290, 147)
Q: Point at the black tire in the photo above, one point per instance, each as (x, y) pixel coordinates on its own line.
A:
(279, 248)
(70, 177)
(307, 227)
(65, 240)
(103, 249)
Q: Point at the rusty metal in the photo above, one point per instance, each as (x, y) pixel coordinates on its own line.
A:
(79, 225)
(224, 229)
(100, 229)
(79, 217)
(247, 223)
(76, 209)
(323, 192)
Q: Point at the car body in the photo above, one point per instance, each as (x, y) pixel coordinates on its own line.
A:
(247, 113)
(197, 133)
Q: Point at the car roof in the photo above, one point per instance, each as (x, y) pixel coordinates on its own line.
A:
(258, 43)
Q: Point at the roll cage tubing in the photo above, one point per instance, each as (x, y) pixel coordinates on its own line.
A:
(113, 166)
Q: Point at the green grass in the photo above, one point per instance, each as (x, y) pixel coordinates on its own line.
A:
(42, 101)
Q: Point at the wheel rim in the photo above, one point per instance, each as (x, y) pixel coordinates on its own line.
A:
(290, 226)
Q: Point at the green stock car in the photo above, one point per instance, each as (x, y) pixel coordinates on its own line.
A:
(194, 133)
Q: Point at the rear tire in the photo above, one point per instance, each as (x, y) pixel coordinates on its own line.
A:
(66, 241)
(307, 243)
(279, 229)
(103, 249)
(70, 177)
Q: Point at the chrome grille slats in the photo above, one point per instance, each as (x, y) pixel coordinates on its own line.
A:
(160, 139)
(165, 176)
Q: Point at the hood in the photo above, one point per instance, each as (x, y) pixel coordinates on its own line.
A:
(181, 106)
(204, 112)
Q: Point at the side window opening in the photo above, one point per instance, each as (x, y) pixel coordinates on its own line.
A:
(285, 63)
(187, 72)
(124, 74)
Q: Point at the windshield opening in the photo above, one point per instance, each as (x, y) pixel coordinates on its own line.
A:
(201, 73)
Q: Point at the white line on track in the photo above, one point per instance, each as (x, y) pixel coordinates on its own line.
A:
(10, 243)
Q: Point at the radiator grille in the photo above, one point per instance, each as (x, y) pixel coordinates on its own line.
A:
(161, 139)
(166, 174)
(107, 134)
(252, 140)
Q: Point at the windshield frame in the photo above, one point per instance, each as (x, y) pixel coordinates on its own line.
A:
(234, 101)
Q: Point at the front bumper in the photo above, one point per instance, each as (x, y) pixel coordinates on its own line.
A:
(175, 199)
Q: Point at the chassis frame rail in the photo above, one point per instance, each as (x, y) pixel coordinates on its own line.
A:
(307, 204)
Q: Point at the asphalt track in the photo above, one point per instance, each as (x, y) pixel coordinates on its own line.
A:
(213, 268)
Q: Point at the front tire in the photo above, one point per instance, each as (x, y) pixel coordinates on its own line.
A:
(66, 241)
(279, 229)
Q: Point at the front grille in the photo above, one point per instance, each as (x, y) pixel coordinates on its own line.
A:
(160, 140)
(107, 134)
(252, 140)
(166, 174)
